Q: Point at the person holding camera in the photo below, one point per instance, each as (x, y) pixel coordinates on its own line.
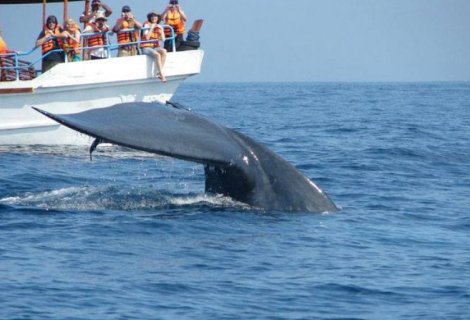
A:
(96, 7)
(175, 17)
(99, 28)
(125, 28)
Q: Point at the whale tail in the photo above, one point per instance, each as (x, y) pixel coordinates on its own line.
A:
(234, 164)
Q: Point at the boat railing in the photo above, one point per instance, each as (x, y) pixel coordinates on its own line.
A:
(110, 46)
(14, 65)
(13, 68)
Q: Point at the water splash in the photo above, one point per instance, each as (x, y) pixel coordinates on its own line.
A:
(86, 198)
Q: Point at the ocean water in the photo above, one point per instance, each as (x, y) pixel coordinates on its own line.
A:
(131, 235)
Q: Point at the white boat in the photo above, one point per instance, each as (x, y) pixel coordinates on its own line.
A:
(72, 87)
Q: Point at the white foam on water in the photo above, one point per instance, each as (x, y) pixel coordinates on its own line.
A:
(114, 198)
(205, 199)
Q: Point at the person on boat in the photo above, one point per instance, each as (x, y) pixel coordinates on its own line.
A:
(3, 45)
(3, 50)
(51, 39)
(175, 17)
(99, 27)
(72, 40)
(96, 7)
(126, 21)
(151, 35)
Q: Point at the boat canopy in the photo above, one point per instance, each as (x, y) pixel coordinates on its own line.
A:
(32, 1)
(44, 4)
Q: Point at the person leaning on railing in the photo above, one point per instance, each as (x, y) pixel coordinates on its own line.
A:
(51, 40)
(72, 40)
(99, 27)
(152, 33)
(126, 21)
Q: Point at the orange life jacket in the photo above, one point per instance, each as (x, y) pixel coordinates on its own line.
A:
(153, 36)
(72, 44)
(51, 43)
(98, 39)
(3, 46)
(126, 36)
(174, 20)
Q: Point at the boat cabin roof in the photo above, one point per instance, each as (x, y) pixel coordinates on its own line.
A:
(32, 1)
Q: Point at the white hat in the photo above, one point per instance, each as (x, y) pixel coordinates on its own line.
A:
(100, 15)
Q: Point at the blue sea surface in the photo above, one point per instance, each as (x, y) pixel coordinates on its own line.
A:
(132, 235)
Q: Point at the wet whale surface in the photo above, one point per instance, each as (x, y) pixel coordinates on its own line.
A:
(234, 164)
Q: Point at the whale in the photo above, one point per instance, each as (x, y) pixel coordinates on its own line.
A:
(235, 165)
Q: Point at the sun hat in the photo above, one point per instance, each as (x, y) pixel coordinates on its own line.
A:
(100, 16)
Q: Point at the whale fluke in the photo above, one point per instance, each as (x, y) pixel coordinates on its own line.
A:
(234, 164)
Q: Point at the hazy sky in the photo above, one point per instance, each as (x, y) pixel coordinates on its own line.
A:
(305, 40)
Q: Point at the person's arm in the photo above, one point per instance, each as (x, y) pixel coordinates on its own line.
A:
(164, 13)
(162, 32)
(108, 10)
(137, 24)
(183, 15)
(118, 25)
(74, 36)
(61, 34)
(146, 32)
(43, 36)
(85, 18)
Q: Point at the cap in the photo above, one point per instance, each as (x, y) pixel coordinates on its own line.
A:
(173, 1)
(126, 9)
(95, 1)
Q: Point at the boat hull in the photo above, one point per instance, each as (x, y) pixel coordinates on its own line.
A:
(79, 86)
